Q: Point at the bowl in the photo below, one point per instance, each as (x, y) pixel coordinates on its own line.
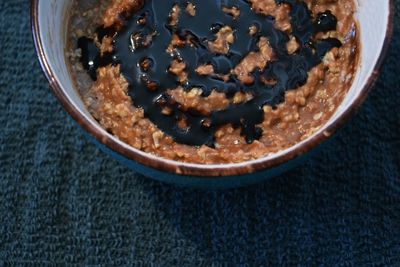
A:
(49, 32)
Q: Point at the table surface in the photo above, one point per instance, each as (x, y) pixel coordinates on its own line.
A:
(64, 201)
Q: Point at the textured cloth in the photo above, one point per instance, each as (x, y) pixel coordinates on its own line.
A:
(62, 201)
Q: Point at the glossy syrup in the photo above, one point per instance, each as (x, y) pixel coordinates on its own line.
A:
(148, 85)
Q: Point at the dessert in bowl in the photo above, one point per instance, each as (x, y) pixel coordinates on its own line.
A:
(211, 88)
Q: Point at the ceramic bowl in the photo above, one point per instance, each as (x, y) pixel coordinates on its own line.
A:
(49, 21)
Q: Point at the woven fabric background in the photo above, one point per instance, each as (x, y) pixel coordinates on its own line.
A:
(63, 202)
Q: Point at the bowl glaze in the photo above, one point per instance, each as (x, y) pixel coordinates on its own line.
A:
(49, 32)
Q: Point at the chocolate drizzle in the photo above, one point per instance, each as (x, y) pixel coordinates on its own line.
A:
(140, 49)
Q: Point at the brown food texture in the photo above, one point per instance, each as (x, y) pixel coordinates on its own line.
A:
(304, 111)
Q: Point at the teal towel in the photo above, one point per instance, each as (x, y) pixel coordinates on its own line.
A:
(63, 202)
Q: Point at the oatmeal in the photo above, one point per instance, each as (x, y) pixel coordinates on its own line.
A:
(202, 82)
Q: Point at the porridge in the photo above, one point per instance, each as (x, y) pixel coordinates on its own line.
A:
(213, 81)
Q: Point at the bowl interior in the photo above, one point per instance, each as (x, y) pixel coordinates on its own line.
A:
(51, 25)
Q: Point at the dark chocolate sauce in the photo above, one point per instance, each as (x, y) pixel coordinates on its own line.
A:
(145, 63)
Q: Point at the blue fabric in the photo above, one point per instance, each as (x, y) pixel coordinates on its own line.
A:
(62, 201)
